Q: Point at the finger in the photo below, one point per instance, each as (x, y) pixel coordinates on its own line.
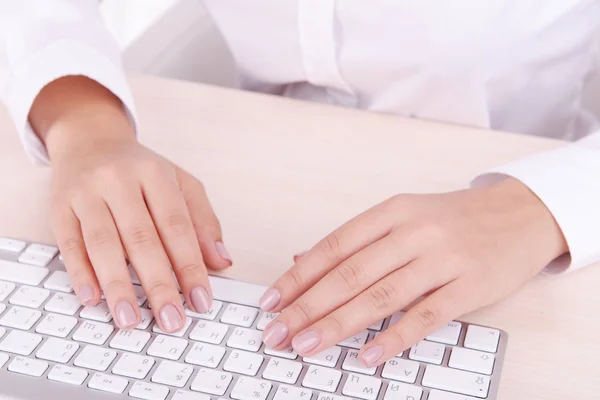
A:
(174, 225)
(67, 232)
(298, 256)
(106, 254)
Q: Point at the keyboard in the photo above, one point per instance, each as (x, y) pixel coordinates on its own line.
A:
(52, 347)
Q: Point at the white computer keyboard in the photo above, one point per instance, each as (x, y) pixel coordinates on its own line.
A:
(52, 347)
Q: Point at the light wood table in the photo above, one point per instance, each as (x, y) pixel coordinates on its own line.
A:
(281, 174)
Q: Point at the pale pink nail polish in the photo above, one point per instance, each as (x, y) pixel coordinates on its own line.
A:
(270, 299)
(372, 355)
(200, 299)
(275, 334)
(170, 318)
(86, 294)
(305, 342)
(223, 251)
(125, 314)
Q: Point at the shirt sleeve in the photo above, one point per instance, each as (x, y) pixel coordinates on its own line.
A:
(41, 41)
(567, 181)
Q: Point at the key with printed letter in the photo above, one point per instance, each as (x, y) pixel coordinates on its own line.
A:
(429, 352)
(66, 374)
(133, 366)
(265, 319)
(281, 370)
(63, 303)
(355, 341)
(96, 358)
(108, 383)
(20, 318)
(239, 315)
(30, 297)
(362, 387)
(172, 374)
(20, 342)
(148, 391)
(245, 339)
(210, 315)
(402, 391)
(167, 347)
(56, 325)
(457, 381)
(211, 382)
(205, 355)
(179, 333)
(480, 338)
(99, 312)
(250, 389)
(209, 332)
(352, 363)
(130, 340)
(286, 392)
(28, 366)
(93, 332)
(399, 369)
(322, 378)
(243, 362)
(57, 350)
(60, 281)
(327, 358)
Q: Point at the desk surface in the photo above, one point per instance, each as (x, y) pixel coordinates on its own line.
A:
(281, 174)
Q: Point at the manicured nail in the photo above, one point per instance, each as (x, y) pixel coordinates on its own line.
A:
(372, 355)
(170, 318)
(126, 316)
(200, 299)
(86, 295)
(299, 255)
(275, 334)
(269, 300)
(223, 251)
(306, 341)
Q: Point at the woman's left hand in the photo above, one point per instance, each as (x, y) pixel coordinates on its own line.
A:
(461, 250)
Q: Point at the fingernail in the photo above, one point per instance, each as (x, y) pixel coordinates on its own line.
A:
(270, 299)
(275, 334)
(299, 255)
(125, 314)
(86, 294)
(170, 318)
(306, 341)
(200, 299)
(372, 355)
(223, 251)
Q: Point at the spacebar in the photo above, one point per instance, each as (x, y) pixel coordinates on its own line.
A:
(22, 273)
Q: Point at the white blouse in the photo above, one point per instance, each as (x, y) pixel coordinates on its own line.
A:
(513, 65)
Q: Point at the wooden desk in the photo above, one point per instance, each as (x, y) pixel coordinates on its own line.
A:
(281, 174)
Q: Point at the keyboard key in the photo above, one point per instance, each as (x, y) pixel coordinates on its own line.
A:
(34, 259)
(21, 273)
(147, 318)
(448, 334)
(172, 374)
(281, 370)
(41, 250)
(250, 389)
(211, 382)
(355, 341)
(428, 352)
(362, 387)
(133, 366)
(28, 366)
(3, 359)
(205, 355)
(99, 312)
(20, 318)
(130, 340)
(471, 360)
(403, 391)
(456, 381)
(243, 362)
(245, 339)
(93, 332)
(108, 383)
(377, 326)
(285, 392)
(329, 396)
(28, 296)
(6, 289)
(322, 378)
(148, 391)
(179, 333)
(22, 343)
(209, 332)
(56, 325)
(12, 245)
(439, 395)
(186, 395)
(326, 358)
(480, 338)
(167, 347)
(210, 315)
(265, 319)
(352, 363)
(288, 353)
(239, 315)
(66, 374)
(96, 358)
(399, 369)
(60, 281)
(57, 350)
(62, 303)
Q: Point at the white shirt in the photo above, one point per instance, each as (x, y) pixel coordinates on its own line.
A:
(514, 65)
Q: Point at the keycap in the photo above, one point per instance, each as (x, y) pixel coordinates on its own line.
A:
(108, 383)
(285, 392)
(453, 380)
(6, 289)
(2, 331)
(34, 259)
(209, 332)
(471, 360)
(130, 340)
(41, 250)
(362, 387)
(211, 382)
(322, 378)
(187, 395)
(209, 315)
(282, 370)
(60, 281)
(329, 396)
(376, 326)
(18, 342)
(12, 245)
(3, 359)
(480, 338)
(265, 319)
(148, 391)
(62, 303)
(399, 369)
(96, 358)
(439, 395)
(239, 315)
(56, 325)
(243, 362)
(99, 312)
(205, 355)
(147, 318)
(57, 350)
(250, 389)
(167, 347)
(355, 341)
(402, 391)
(448, 334)
(428, 352)
(172, 374)
(326, 358)
(28, 296)
(245, 339)
(288, 353)
(20, 318)
(93, 332)
(179, 333)
(352, 363)
(28, 366)
(66, 374)
(133, 365)
(22, 273)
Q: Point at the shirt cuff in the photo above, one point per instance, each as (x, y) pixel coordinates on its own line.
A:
(57, 60)
(567, 181)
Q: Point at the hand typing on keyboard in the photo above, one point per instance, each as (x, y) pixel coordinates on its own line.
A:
(460, 251)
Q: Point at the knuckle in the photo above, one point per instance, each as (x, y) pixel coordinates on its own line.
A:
(140, 236)
(426, 317)
(330, 246)
(351, 273)
(116, 286)
(294, 278)
(189, 269)
(382, 296)
(178, 224)
(301, 311)
(101, 237)
(157, 288)
(71, 245)
(335, 326)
